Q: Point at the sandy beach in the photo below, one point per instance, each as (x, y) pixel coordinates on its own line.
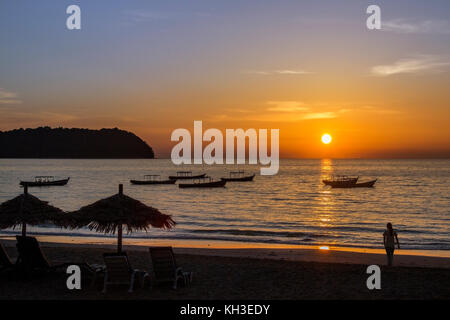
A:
(247, 273)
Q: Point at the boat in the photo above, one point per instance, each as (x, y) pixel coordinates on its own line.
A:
(204, 182)
(184, 175)
(340, 181)
(351, 183)
(152, 179)
(42, 181)
(367, 184)
(238, 176)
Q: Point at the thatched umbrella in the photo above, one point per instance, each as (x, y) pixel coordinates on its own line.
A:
(27, 209)
(112, 214)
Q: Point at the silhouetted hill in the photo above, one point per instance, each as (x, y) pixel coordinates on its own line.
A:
(45, 142)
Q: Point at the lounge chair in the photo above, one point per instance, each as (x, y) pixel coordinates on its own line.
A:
(5, 261)
(165, 268)
(119, 272)
(32, 258)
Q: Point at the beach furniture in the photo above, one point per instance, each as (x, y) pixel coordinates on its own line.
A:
(165, 268)
(119, 272)
(31, 258)
(5, 260)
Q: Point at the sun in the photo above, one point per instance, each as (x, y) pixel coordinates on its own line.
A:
(326, 138)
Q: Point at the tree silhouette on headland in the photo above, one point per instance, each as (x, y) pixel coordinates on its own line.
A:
(45, 142)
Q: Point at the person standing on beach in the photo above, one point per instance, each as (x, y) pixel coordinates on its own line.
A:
(389, 238)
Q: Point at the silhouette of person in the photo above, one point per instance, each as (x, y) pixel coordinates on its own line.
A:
(389, 238)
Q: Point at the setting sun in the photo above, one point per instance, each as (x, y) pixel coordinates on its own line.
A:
(326, 138)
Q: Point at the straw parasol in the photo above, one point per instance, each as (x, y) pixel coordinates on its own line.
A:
(27, 209)
(118, 211)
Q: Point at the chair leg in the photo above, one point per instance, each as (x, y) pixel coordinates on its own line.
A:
(132, 282)
(175, 282)
(105, 281)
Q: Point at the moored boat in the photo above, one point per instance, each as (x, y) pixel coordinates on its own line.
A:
(152, 179)
(184, 175)
(42, 181)
(238, 176)
(366, 184)
(340, 181)
(204, 182)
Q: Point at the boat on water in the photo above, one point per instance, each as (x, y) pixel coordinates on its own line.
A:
(367, 184)
(152, 179)
(238, 176)
(184, 175)
(342, 181)
(42, 181)
(204, 182)
(349, 182)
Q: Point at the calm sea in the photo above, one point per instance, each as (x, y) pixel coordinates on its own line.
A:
(293, 207)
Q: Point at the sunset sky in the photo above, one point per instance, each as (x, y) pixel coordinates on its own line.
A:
(304, 67)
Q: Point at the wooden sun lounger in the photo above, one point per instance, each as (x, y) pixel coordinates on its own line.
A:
(32, 258)
(119, 272)
(5, 260)
(165, 268)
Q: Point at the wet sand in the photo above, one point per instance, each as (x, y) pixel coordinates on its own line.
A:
(287, 274)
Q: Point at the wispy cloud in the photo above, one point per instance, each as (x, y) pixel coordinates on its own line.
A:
(417, 27)
(417, 64)
(286, 106)
(8, 97)
(294, 111)
(279, 72)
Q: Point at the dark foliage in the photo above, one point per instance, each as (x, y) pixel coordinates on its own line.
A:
(45, 142)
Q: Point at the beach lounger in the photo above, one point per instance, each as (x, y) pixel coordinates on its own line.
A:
(31, 258)
(119, 272)
(165, 268)
(5, 261)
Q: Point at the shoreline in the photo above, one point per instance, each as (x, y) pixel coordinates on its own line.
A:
(342, 255)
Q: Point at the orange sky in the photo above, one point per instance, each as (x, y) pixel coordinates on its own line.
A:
(303, 68)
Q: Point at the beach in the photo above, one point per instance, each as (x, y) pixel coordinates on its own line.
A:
(245, 273)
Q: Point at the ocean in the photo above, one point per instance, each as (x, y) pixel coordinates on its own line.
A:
(293, 207)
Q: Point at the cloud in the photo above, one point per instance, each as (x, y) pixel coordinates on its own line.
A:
(279, 72)
(286, 106)
(418, 64)
(8, 97)
(318, 115)
(417, 27)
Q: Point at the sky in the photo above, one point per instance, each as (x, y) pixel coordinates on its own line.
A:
(303, 67)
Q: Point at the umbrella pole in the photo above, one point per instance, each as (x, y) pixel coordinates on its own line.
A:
(24, 225)
(119, 231)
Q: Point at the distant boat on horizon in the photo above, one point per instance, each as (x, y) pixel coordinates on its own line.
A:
(184, 175)
(203, 183)
(152, 179)
(348, 182)
(43, 181)
(236, 176)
